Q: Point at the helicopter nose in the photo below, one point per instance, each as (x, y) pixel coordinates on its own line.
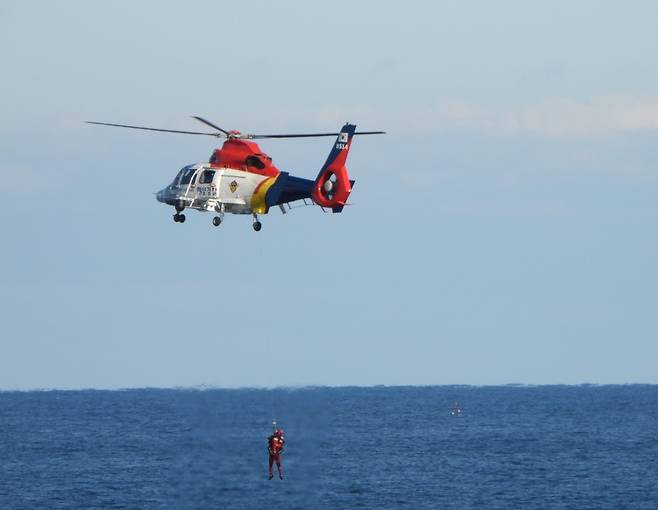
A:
(159, 196)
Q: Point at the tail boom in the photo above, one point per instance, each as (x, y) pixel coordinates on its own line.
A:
(332, 186)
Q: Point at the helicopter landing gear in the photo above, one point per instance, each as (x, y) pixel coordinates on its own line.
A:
(179, 205)
(217, 220)
(257, 224)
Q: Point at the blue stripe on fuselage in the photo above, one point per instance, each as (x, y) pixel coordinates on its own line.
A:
(295, 188)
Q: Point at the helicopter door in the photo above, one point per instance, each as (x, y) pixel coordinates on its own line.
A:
(207, 186)
(232, 187)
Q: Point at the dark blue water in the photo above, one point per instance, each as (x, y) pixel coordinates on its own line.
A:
(383, 448)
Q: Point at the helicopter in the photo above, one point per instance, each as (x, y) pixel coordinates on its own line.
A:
(239, 178)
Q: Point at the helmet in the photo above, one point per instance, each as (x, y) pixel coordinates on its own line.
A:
(278, 432)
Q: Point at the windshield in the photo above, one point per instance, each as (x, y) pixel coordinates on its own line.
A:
(185, 175)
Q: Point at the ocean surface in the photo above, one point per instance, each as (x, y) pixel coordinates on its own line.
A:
(571, 447)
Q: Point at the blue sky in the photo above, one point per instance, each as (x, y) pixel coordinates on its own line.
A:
(503, 231)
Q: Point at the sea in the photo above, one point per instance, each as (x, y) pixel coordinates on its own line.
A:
(525, 447)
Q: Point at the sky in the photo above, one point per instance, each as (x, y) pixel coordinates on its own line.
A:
(502, 231)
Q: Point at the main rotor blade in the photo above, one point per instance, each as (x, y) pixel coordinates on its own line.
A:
(154, 129)
(208, 123)
(309, 135)
(227, 134)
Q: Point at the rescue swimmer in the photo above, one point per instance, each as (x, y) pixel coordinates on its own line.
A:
(275, 448)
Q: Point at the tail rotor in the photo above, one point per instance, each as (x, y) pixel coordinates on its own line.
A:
(329, 186)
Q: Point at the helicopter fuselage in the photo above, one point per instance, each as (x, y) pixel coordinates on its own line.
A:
(236, 180)
(220, 189)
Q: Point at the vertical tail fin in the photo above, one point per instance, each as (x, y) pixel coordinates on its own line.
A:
(332, 185)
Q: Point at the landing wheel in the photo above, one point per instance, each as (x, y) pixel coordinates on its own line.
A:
(179, 218)
(217, 221)
(257, 226)
(176, 217)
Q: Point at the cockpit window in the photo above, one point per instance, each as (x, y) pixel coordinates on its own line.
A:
(207, 177)
(186, 177)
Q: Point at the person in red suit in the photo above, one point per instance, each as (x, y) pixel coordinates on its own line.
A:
(275, 447)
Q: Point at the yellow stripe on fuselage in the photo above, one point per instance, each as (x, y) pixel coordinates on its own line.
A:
(258, 204)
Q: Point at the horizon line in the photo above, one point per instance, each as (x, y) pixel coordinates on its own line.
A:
(208, 387)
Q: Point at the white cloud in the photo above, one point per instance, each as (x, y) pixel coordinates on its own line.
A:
(556, 117)
(553, 117)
